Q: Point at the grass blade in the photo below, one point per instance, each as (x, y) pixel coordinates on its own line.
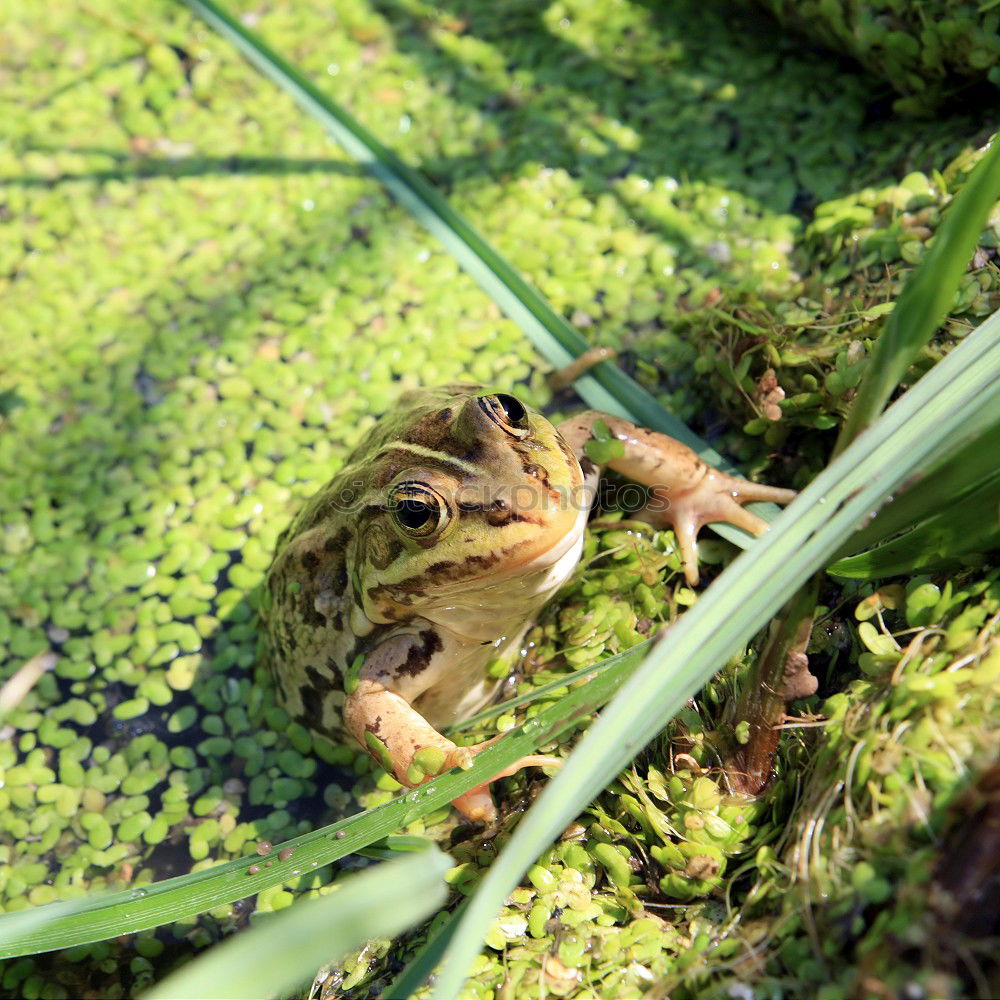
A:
(967, 527)
(966, 466)
(61, 925)
(270, 960)
(540, 692)
(908, 438)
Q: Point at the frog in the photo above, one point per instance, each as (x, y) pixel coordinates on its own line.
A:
(426, 558)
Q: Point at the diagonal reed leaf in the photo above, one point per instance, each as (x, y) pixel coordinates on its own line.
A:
(273, 959)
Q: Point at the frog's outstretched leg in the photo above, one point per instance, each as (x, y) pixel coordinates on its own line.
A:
(686, 493)
(379, 713)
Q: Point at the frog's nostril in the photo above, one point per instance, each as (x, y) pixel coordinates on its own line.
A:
(501, 514)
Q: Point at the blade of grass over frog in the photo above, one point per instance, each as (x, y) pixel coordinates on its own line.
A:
(83, 921)
(270, 960)
(909, 437)
(540, 692)
(607, 387)
(924, 301)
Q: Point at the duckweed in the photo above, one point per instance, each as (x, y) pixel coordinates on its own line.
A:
(206, 305)
(918, 53)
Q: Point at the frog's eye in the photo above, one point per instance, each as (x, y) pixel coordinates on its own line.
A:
(417, 510)
(507, 413)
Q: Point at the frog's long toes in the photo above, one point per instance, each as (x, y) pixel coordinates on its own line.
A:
(746, 491)
(532, 760)
(477, 804)
(734, 514)
(687, 518)
(724, 503)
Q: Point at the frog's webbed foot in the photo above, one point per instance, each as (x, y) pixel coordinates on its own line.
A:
(715, 497)
(398, 738)
(477, 803)
(685, 492)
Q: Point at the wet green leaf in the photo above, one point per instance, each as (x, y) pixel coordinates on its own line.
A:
(274, 958)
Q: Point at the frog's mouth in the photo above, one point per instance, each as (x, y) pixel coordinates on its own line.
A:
(510, 561)
(493, 609)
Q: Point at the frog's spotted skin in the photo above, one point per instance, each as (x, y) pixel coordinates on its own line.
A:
(431, 550)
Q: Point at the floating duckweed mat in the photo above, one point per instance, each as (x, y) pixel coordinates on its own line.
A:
(928, 51)
(205, 305)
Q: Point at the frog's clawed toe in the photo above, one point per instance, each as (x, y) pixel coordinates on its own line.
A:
(718, 498)
(477, 804)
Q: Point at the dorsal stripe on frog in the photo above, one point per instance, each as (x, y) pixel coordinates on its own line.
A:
(431, 455)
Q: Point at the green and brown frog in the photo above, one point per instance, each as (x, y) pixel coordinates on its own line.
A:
(429, 553)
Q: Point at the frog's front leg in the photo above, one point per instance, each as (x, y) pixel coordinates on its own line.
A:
(379, 713)
(686, 493)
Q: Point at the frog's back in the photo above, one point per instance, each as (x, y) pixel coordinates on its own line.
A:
(314, 623)
(305, 625)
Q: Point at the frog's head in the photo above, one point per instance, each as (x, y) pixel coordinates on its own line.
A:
(471, 488)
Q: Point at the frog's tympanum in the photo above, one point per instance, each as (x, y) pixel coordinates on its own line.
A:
(427, 555)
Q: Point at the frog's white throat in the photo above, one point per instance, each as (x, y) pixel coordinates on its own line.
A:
(489, 621)
(488, 610)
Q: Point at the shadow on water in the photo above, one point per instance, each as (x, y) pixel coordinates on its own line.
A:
(713, 93)
(137, 166)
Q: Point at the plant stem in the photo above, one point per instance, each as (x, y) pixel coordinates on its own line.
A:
(780, 674)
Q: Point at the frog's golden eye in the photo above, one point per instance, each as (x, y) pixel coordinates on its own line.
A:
(417, 510)
(507, 413)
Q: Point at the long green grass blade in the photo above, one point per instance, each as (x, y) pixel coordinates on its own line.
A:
(607, 387)
(61, 925)
(927, 295)
(272, 959)
(908, 438)
(545, 689)
(968, 527)
(967, 465)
